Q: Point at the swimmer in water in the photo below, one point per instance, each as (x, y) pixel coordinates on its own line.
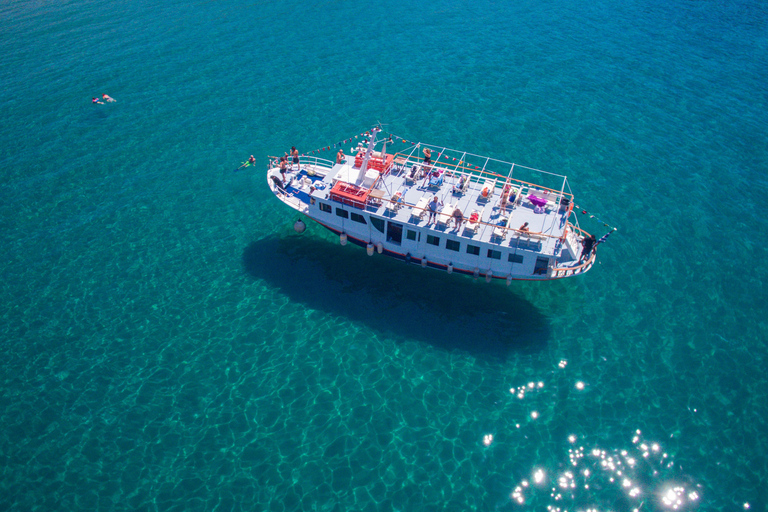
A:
(252, 160)
(107, 98)
(96, 101)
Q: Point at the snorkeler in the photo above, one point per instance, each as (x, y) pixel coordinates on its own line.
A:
(108, 99)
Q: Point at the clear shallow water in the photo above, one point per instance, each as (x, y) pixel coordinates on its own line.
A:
(169, 343)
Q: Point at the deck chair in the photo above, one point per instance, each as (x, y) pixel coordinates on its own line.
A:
(395, 202)
(473, 221)
(500, 230)
(461, 187)
(435, 178)
(486, 191)
(413, 174)
(420, 209)
(463, 184)
(509, 197)
(445, 214)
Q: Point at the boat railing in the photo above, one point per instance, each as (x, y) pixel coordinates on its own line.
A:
(446, 218)
(404, 162)
(579, 269)
(311, 160)
(289, 198)
(295, 201)
(470, 162)
(577, 231)
(480, 176)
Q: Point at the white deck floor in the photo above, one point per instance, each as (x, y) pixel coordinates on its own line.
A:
(551, 222)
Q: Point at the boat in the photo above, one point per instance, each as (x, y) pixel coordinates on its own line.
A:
(491, 219)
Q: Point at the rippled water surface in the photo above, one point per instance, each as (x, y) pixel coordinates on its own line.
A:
(169, 343)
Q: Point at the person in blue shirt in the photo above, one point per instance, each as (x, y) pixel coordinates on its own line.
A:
(432, 207)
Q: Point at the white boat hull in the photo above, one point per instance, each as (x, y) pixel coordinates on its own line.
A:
(387, 215)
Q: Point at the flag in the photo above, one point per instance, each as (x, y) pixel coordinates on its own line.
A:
(604, 237)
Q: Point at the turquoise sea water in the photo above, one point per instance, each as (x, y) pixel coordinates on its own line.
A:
(169, 343)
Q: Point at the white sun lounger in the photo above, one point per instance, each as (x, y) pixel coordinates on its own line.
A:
(395, 202)
(471, 225)
(420, 209)
(500, 230)
(446, 213)
(487, 187)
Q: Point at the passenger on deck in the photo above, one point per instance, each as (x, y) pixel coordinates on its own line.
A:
(458, 189)
(295, 155)
(458, 218)
(588, 244)
(427, 156)
(283, 165)
(434, 178)
(433, 206)
(340, 156)
(524, 228)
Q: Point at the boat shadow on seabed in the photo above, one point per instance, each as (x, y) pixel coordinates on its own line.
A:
(449, 312)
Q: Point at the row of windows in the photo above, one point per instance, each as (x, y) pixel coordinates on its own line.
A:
(356, 217)
(451, 245)
(455, 245)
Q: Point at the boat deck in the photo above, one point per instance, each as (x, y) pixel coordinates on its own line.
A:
(515, 220)
(495, 224)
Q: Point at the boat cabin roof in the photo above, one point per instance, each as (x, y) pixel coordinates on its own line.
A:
(499, 202)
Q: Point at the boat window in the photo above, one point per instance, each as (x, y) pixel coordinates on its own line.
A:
(452, 245)
(358, 218)
(515, 258)
(394, 232)
(433, 240)
(342, 213)
(378, 224)
(473, 249)
(541, 266)
(325, 208)
(410, 235)
(494, 255)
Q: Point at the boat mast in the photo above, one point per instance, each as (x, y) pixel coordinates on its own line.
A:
(371, 145)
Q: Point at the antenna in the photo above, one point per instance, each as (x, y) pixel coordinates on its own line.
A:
(369, 152)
